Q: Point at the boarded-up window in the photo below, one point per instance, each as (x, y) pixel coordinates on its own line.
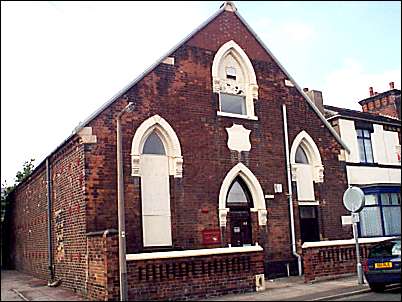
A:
(304, 180)
(155, 195)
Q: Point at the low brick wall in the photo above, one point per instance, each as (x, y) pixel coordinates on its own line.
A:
(176, 275)
(333, 257)
(179, 277)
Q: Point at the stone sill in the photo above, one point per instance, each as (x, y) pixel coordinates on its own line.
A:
(344, 242)
(245, 117)
(194, 253)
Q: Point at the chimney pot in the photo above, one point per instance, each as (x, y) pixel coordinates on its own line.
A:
(371, 91)
(375, 93)
(391, 85)
(305, 89)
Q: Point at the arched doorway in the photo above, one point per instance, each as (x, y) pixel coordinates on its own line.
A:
(239, 202)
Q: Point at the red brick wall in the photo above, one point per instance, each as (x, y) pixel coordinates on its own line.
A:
(172, 278)
(385, 106)
(329, 261)
(182, 95)
(193, 277)
(30, 221)
(29, 245)
(103, 266)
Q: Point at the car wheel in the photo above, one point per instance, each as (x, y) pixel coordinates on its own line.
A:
(377, 287)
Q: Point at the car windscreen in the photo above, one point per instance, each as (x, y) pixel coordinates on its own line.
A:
(386, 249)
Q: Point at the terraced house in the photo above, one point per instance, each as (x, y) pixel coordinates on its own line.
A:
(374, 163)
(227, 168)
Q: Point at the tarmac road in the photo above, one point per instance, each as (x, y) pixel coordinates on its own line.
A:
(390, 294)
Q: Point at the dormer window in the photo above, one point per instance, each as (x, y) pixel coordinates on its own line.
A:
(234, 80)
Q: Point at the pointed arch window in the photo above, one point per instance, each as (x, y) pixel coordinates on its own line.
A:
(238, 193)
(235, 81)
(153, 145)
(301, 156)
(307, 167)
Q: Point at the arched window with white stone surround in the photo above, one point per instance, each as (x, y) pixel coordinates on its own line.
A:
(156, 154)
(240, 181)
(235, 81)
(307, 166)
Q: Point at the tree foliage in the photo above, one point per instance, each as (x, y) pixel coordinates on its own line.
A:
(20, 176)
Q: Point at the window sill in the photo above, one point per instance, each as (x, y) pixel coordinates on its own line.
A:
(235, 115)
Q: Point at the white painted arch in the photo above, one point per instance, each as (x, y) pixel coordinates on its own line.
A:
(169, 139)
(239, 54)
(304, 140)
(254, 187)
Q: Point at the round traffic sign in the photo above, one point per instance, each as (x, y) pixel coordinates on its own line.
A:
(353, 199)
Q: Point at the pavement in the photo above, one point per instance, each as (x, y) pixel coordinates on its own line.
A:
(16, 286)
(293, 288)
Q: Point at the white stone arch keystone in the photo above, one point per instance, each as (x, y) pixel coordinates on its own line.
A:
(254, 187)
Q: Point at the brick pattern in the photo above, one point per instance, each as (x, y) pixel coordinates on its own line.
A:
(182, 95)
(193, 277)
(102, 282)
(319, 262)
(386, 105)
(30, 220)
(85, 175)
(173, 279)
(29, 245)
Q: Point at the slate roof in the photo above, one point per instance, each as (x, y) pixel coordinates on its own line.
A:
(332, 112)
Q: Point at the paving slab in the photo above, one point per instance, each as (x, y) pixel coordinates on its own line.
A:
(17, 286)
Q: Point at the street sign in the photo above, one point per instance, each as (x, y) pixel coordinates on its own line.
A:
(346, 220)
(353, 199)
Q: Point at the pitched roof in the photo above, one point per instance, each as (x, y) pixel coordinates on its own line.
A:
(226, 6)
(380, 96)
(332, 112)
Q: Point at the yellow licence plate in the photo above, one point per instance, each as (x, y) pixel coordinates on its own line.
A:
(383, 265)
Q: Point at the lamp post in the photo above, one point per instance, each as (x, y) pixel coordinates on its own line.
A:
(120, 207)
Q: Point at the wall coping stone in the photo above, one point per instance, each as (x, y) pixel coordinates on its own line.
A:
(343, 242)
(104, 232)
(193, 253)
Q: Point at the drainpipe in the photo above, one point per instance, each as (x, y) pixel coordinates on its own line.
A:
(290, 195)
(49, 220)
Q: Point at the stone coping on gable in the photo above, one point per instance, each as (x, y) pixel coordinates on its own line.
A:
(194, 253)
(344, 242)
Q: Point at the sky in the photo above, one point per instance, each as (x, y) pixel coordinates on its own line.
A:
(61, 60)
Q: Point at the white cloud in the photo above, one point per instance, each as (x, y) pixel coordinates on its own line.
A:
(350, 83)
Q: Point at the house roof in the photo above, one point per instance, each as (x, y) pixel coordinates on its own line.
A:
(332, 112)
(226, 6)
(380, 96)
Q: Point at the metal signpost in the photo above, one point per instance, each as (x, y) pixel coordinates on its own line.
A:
(353, 200)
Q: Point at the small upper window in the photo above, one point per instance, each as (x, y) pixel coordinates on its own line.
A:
(232, 103)
(365, 148)
(231, 73)
(153, 145)
(301, 157)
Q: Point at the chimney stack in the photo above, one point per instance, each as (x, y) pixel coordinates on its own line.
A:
(371, 91)
(316, 97)
(391, 85)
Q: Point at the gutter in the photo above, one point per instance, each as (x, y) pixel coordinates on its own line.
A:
(290, 194)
